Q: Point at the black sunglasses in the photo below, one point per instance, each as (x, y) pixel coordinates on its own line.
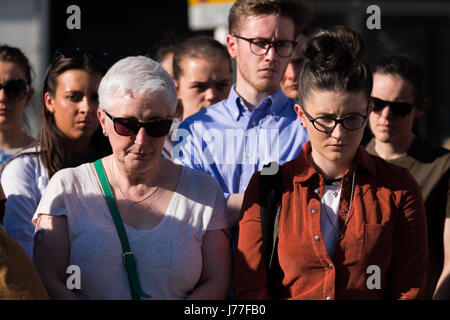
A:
(15, 89)
(400, 109)
(155, 127)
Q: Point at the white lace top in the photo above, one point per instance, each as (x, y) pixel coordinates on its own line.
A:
(168, 257)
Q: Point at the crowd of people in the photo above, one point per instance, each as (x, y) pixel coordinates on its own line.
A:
(165, 179)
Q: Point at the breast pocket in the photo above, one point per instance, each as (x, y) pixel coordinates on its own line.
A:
(350, 249)
(378, 242)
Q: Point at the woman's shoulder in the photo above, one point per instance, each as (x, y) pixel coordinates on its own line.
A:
(24, 163)
(385, 173)
(26, 156)
(72, 174)
(71, 183)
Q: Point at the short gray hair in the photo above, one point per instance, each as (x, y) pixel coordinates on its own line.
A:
(137, 76)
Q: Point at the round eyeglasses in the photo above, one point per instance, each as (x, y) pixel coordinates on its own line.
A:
(260, 47)
(327, 124)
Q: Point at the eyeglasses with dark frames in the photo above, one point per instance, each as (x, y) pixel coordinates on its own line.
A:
(15, 89)
(327, 124)
(260, 47)
(399, 109)
(155, 127)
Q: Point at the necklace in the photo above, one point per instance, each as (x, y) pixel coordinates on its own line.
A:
(132, 204)
(325, 208)
(335, 182)
(341, 231)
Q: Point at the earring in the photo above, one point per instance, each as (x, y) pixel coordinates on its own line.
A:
(51, 109)
(105, 133)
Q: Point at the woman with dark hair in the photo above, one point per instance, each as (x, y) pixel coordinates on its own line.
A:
(70, 135)
(15, 95)
(349, 225)
(399, 99)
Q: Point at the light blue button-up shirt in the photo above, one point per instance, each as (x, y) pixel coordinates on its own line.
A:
(230, 143)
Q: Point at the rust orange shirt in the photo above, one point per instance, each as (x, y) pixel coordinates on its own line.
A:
(386, 228)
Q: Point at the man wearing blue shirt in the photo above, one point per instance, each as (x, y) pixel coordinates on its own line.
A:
(257, 123)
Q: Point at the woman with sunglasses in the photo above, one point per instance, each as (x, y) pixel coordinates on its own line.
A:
(15, 95)
(174, 217)
(70, 135)
(347, 228)
(399, 99)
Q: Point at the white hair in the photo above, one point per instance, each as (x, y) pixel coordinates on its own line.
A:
(137, 76)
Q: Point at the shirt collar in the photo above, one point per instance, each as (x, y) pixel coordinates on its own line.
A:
(362, 159)
(234, 103)
(273, 104)
(279, 100)
(302, 161)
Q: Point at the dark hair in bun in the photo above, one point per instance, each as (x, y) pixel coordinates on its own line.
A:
(334, 61)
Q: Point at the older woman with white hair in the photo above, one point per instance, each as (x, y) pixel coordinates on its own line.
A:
(135, 224)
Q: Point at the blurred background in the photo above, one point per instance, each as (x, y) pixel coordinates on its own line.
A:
(418, 27)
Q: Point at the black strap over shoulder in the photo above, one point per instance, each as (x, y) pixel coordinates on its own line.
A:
(270, 193)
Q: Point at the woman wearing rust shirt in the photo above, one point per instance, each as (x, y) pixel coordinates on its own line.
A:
(351, 225)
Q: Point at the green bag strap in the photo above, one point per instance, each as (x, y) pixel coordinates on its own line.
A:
(127, 255)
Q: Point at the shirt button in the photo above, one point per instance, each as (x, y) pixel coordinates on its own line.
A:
(314, 210)
(253, 123)
(328, 298)
(330, 266)
(317, 190)
(316, 238)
